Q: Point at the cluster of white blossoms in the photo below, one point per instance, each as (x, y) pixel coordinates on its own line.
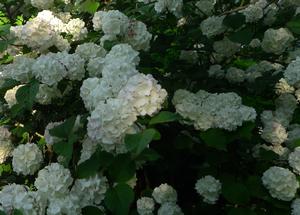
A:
(205, 7)
(145, 206)
(209, 188)
(44, 31)
(255, 12)
(276, 122)
(295, 207)
(281, 183)
(276, 41)
(121, 95)
(42, 4)
(173, 6)
(213, 26)
(116, 25)
(206, 110)
(15, 196)
(6, 146)
(27, 159)
(291, 74)
(225, 48)
(166, 196)
(294, 160)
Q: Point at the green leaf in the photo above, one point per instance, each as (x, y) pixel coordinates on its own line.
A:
(89, 6)
(149, 155)
(243, 63)
(122, 168)
(245, 132)
(25, 95)
(4, 29)
(17, 212)
(294, 25)
(164, 117)
(2, 213)
(215, 138)
(3, 45)
(91, 166)
(234, 20)
(119, 198)
(136, 143)
(91, 210)
(243, 36)
(235, 192)
(241, 211)
(65, 129)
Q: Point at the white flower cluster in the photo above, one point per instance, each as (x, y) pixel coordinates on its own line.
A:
(294, 160)
(281, 151)
(281, 183)
(115, 24)
(226, 48)
(42, 4)
(275, 123)
(122, 94)
(276, 41)
(173, 6)
(209, 188)
(291, 74)
(295, 207)
(54, 180)
(213, 26)
(205, 6)
(167, 197)
(90, 191)
(6, 146)
(27, 159)
(10, 96)
(205, 110)
(145, 206)
(237, 76)
(255, 12)
(44, 31)
(14, 196)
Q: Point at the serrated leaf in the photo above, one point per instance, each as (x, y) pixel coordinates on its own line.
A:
(91, 166)
(149, 155)
(89, 6)
(234, 20)
(294, 25)
(4, 29)
(122, 168)
(136, 143)
(243, 36)
(64, 129)
(163, 117)
(215, 138)
(25, 95)
(235, 192)
(241, 211)
(119, 198)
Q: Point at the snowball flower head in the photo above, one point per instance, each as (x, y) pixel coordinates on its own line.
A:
(10, 96)
(6, 146)
(173, 6)
(169, 208)
(88, 51)
(295, 207)
(276, 40)
(291, 74)
(164, 193)
(281, 183)
(209, 188)
(53, 181)
(68, 204)
(145, 206)
(294, 160)
(144, 93)
(27, 159)
(212, 26)
(42, 4)
(90, 190)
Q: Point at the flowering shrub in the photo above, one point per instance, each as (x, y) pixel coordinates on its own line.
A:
(164, 107)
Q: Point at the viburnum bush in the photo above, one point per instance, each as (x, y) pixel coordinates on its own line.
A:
(164, 107)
